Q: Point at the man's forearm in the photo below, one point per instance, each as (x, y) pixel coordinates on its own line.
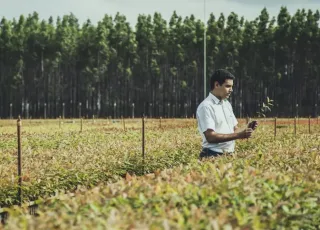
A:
(218, 138)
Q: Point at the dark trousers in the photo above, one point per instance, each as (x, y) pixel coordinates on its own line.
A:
(206, 153)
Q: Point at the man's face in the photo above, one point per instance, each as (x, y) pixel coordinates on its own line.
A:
(224, 90)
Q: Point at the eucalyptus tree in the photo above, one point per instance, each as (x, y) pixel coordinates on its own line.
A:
(7, 82)
(146, 47)
(176, 55)
(159, 62)
(123, 58)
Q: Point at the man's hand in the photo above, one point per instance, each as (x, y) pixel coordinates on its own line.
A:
(246, 133)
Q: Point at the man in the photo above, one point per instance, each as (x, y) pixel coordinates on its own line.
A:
(216, 121)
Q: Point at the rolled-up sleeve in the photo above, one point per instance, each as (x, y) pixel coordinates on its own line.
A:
(205, 118)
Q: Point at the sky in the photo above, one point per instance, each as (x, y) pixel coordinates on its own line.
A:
(96, 9)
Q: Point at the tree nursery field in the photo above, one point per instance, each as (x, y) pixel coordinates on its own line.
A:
(91, 174)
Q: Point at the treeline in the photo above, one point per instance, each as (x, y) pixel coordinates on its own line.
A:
(51, 68)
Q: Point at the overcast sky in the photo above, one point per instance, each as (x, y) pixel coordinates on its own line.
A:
(95, 9)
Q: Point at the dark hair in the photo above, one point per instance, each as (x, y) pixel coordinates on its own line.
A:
(220, 76)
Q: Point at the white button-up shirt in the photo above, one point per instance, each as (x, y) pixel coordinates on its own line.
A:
(218, 116)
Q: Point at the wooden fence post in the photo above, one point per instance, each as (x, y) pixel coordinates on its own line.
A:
(309, 124)
(295, 125)
(143, 141)
(19, 161)
(275, 127)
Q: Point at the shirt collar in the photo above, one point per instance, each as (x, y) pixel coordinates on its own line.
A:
(215, 99)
